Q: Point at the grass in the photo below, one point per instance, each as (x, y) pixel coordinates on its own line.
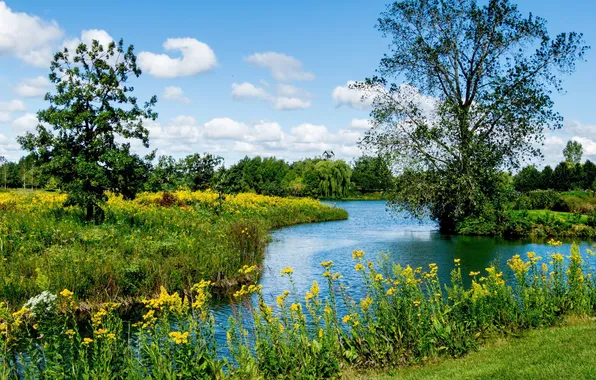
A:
(159, 239)
(567, 216)
(565, 352)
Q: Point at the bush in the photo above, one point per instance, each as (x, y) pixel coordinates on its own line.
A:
(540, 200)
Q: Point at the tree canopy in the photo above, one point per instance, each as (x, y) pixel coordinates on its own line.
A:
(475, 100)
(83, 138)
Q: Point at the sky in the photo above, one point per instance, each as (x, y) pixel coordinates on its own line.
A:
(239, 78)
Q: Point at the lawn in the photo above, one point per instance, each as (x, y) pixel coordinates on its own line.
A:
(567, 352)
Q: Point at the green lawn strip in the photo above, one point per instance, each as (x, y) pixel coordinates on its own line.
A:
(567, 352)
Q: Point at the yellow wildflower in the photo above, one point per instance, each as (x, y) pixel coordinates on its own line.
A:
(359, 267)
(87, 341)
(286, 271)
(178, 337)
(357, 254)
(457, 261)
(327, 264)
(66, 293)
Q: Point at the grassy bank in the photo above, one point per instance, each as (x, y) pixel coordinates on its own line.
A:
(159, 239)
(403, 317)
(564, 352)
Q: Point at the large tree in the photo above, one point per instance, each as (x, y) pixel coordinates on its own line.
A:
(463, 93)
(83, 136)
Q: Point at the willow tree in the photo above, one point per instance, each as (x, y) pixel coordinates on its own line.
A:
(333, 178)
(464, 92)
(83, 138)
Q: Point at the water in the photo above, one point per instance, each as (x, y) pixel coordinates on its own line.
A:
(374, 229)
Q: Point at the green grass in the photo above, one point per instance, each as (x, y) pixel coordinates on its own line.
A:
(567, 352)
(567, 216)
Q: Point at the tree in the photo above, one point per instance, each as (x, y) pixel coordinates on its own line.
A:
(562, 177)
(476, 98)
(573, 152)
(198, 171)
(528, 179)
(92, 110)
(589, 174)
(334, 178)
(166, 175)
(371, 174)
(4, 167)
(546, 178)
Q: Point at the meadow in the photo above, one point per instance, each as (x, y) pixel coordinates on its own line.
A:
(171, 239)
(405, 316)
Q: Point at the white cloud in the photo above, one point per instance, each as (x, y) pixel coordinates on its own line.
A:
(27, 122)
(248, 90)
(225, 128)
(228, 137)
(344, 95)
(267, 131)
(33, 87)
(288, 97)
(284, 103)
(283, 67)
(27, 37)
(87, 37)
(196, 57)
(307, 132)
(7, 108)
(360, 124)
(175, 94)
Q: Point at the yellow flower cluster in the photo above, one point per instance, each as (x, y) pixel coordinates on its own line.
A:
(246, 290)
(179, 337)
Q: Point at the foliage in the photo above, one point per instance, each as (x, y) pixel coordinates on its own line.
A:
(476, 98)
(528, 179)
(402, 315)
(573, 152)
(92, 108)
(371, 174)
(159, 238)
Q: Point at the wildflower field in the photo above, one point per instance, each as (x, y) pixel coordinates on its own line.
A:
(405, 316)
(159, 239)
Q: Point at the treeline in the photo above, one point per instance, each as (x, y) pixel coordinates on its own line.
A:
(312, 177)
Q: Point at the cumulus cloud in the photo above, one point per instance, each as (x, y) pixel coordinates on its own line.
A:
(248, 90)
(175, 94)
(353, 98)
(360, 124)
(288, 97)
(284, 103)
(7, 108)
(196, 57)
(87, 37)
(226, 137)
(25, 123)
(225, 128)
(283, 68)
(33, 87)
(27, 37)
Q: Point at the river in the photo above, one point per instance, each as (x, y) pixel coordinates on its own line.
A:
(374, 229)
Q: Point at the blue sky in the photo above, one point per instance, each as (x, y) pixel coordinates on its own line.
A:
(264, 77)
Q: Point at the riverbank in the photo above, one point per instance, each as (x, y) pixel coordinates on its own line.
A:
(405, 316)
(561, 352)
(159, 239)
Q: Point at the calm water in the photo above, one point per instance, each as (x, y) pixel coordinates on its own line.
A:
(374, 229)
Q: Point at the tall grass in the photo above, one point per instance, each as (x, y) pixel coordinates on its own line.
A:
(405, 315)
(161, 239)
